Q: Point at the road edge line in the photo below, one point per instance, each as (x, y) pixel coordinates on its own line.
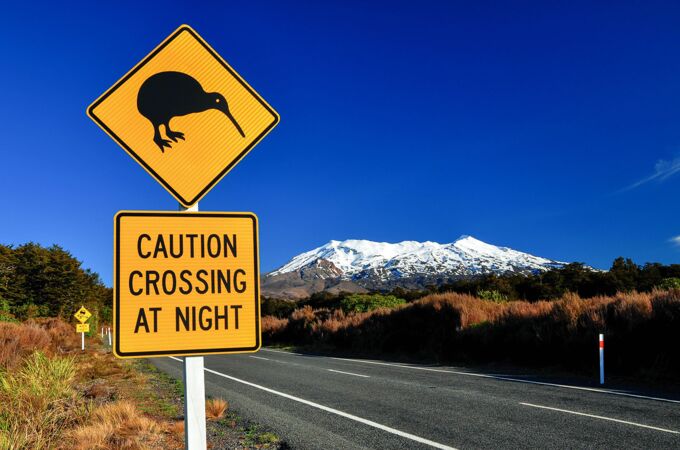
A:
(349, 373)
(370, 423)
(504, 378)
(611, 419)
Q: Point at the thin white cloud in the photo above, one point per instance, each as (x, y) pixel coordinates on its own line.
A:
(662, 171)
(675, 240)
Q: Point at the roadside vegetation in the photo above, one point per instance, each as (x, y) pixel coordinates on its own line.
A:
(54, 396)
(641, 328)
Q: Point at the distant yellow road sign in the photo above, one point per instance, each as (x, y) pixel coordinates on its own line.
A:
(185, 115)
(83, 328)
(185, 283)
(82, 314)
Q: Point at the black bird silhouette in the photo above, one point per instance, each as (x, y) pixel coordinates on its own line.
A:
(170, 94)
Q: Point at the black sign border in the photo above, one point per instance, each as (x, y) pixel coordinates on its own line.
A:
(116, 287)
(165, 184)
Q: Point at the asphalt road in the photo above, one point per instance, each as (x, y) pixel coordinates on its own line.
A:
(319, 402)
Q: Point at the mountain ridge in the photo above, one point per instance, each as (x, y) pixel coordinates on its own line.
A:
(357, 265)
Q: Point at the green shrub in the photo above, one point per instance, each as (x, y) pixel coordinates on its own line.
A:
(31, 311)
(369, 302)
(493, 295)
(276, 307)
(5, 314)
(106, 314)
(669, 283)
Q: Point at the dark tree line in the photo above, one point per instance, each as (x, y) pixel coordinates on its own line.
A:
(39, 282)
(623, 276)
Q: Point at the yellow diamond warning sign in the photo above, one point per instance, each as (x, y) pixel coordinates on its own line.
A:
(82, 314)
(185, 283)
(185, 115)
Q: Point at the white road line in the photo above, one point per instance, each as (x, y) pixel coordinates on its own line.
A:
(280, 351)
(517, 380)
(259, 357)
(333, 411)
(601, 417)
(349, 373)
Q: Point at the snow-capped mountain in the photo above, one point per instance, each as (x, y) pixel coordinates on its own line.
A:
(358, 265)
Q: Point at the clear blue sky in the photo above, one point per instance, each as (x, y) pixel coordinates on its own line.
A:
(550, 128)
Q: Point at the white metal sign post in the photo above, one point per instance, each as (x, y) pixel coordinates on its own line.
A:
(194, 393)
(230, 120)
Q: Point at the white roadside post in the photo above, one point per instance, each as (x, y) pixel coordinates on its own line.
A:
(601, 358)
(109, 330)
(194, 394)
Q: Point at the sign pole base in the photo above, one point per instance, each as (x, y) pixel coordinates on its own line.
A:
(194, 404)
(82, 341)
(194, 395)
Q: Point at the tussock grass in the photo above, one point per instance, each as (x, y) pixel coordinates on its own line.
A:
(49, 336)
(54, 396)
(18, 341)
(177, 429)
(38, 402)
(641, 330)
(215, 408)
(117, 425)
(63, 339)
(273, 326)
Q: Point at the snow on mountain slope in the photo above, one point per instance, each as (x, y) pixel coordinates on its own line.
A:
(467, 256)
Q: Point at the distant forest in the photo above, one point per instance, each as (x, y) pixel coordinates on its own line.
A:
(48, 282)
(623, 276)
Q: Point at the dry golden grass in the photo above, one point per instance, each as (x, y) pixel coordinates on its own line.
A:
(470, 311)
(215, 408)
(117, 425)
(48, 336)
(272, 325)
(177, 429)
(38, 402)
(51, 401)
(640, 329)
(61, 334)
(99, 391)
(18, 341)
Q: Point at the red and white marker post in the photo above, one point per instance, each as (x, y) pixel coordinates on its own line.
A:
(601, 358)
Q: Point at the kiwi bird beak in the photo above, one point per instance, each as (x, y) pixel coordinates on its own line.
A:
(238, 127)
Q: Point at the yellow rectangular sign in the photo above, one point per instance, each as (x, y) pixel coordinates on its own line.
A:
(185, 115)
(83, 328)
(185, 283)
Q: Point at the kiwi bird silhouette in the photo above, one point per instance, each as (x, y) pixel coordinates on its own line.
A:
(171, 94)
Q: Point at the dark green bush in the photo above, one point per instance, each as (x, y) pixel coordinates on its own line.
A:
(369, 302)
